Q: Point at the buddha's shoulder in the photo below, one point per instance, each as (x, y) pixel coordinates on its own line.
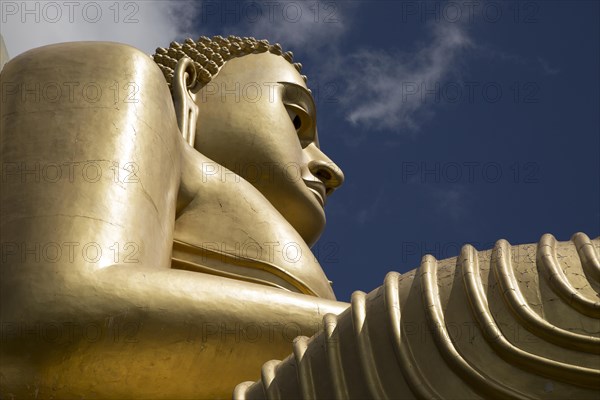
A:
(99, 50)
(81, 63)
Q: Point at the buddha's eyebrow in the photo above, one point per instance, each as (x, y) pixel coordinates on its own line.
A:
(300, 94)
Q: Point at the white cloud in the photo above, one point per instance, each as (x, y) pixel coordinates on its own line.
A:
(142, 24)
(388, 90)
(374, 81)
(308, 25)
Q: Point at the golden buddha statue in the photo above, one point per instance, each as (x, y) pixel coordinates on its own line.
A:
(156, 222)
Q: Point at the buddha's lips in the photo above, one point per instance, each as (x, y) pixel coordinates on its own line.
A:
(318, 189)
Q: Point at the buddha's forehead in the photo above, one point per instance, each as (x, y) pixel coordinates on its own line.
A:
(263, 68)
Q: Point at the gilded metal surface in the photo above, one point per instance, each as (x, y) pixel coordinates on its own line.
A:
(515, 322)
(132, 264)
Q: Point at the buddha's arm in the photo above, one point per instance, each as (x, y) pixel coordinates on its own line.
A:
(512, 322)
(147, 333)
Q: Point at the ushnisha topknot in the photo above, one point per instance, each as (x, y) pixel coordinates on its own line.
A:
(209, 55)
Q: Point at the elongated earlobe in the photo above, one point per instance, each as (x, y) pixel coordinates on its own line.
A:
(186, 110)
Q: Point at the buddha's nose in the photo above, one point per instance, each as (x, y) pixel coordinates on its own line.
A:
(326, 171)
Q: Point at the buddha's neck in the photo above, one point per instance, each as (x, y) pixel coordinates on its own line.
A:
(230, 229)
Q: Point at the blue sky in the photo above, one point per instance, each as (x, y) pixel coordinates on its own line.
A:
(454, 122)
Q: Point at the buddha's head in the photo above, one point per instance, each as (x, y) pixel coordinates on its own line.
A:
(258, 119)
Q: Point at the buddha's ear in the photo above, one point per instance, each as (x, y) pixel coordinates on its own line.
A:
(186, 109)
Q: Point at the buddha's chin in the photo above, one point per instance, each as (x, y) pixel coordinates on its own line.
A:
(304, 212)
(310, 224)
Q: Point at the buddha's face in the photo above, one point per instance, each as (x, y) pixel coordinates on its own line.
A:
(258, 119)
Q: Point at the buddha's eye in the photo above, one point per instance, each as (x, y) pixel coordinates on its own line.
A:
(296, 115)
(297, 122)
(302, 123)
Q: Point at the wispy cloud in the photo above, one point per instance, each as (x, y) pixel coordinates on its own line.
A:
(369, 213)
(312, 26)
(548, 70)
(382, 85)
(378, 86)
(142, 24)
